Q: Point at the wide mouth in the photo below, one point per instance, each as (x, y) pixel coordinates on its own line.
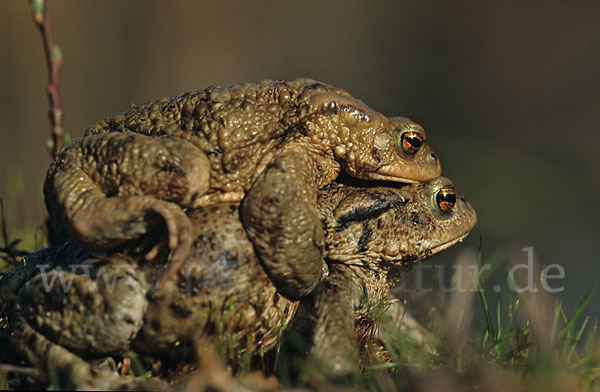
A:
(450, 243)
(408, 172)
(383, 177)
(381, 181)
(348, 260)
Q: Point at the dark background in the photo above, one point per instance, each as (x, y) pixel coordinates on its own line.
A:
(507, 91)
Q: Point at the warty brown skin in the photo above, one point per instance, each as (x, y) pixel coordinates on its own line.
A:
(373, 236)
(131, 172)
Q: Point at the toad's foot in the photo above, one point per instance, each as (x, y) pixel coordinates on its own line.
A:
(396, 318)
(116, 220)
(280, 218)
(104, 190)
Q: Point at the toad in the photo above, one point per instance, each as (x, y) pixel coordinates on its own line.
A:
(133, 172)
(373, 235)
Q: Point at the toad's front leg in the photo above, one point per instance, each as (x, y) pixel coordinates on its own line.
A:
(106, 189)
(280, 218)
(334, 340)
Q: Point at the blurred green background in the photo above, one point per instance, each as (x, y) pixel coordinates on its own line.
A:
(507, 91)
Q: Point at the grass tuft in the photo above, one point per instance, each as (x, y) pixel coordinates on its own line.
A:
(10, 253)
(524, 341)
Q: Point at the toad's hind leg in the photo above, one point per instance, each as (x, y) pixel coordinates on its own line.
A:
(280, 218)
(79, 306)
(62, 369)
(96, 307)
(40, 351)
(106, 189)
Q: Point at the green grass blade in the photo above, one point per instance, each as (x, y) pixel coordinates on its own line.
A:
(577, 337)
(498, 321)
(573, 319)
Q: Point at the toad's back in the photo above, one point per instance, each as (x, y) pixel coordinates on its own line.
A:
(236, 126)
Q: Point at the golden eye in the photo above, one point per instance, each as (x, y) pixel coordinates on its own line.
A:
(446, 198)
(411, 142)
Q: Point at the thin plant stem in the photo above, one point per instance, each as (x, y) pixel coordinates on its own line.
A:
(53, 62)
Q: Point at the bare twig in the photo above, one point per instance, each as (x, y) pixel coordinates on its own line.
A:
(43, 21)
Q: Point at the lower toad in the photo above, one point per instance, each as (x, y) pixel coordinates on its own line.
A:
(222, 293)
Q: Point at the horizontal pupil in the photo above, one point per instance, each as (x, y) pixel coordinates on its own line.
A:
(446, 199)
(414, 141)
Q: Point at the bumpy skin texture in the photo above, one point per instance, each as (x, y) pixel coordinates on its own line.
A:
(222, 293)
(113, 184)
(374, 235)
(71, 311)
